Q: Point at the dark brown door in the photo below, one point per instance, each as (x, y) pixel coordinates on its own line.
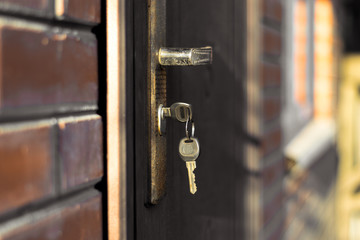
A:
(216, 94)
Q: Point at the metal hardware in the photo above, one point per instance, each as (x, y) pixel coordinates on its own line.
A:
(156, 91)
(189, 150)
(161, 120)
(185, 56)
(182, 112)
(192, 128)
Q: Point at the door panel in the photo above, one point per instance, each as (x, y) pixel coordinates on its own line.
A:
(215, 91)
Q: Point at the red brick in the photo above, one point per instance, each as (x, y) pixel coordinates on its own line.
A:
(271, 141)
(78, 10)
(39, 7)
(271, 42)
(26, 152)
(80, 220)
(80, 150)
(270, 75)
(42, 66)
(272, 9)
(271, 107)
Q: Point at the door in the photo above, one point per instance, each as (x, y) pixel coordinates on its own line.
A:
(215, 92)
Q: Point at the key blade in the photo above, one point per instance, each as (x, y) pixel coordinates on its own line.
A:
(191, 165)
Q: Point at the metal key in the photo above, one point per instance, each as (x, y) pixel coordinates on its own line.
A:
(189, 150)
(179, 110)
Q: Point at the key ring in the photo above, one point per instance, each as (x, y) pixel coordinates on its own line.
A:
(192, 128)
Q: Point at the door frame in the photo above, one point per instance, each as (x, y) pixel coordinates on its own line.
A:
(119, 120)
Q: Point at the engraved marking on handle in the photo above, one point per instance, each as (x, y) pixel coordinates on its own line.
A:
(185, 56)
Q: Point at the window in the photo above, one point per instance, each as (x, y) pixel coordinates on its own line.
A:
(298, 63)
(310, 79)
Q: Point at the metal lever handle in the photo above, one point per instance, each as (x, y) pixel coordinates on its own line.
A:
(185, 56)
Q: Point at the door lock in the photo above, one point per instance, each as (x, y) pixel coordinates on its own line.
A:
(189, 147)
(179, 111)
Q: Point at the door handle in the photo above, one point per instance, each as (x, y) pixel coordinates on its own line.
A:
(185, 56)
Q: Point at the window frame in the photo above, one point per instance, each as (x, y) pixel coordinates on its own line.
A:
(295, 116)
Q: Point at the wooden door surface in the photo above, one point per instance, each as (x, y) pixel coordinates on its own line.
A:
(216, 94)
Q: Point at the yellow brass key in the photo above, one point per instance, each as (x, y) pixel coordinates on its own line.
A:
(189, 150)
(191, 165)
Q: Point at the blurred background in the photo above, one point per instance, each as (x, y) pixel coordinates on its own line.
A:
(321, 119)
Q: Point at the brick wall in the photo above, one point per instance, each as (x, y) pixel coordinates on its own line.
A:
(271, 138)
(263, 152)
(298, 204)
(51, 137)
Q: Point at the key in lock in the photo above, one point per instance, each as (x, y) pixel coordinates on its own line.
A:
(179, 111)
